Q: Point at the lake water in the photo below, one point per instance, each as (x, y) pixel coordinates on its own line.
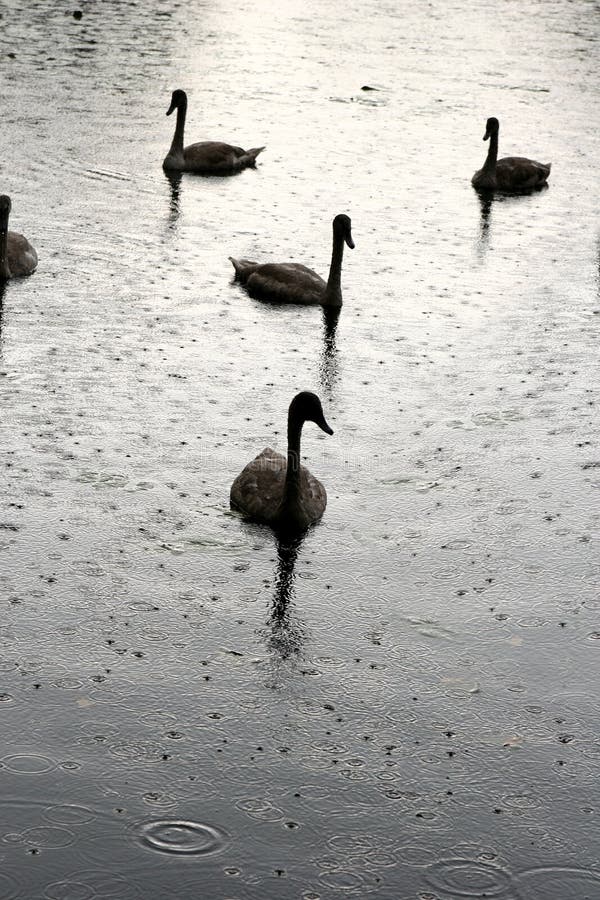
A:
(404, 706)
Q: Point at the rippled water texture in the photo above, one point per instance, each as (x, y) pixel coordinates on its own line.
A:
(405, 704)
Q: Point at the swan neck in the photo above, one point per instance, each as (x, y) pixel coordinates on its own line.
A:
(333, 292)
(292, 474)
(4, 270)
(490, 162)
(177, 142)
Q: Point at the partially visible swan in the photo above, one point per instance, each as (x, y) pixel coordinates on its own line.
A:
(293, 282)
(281, 492)
(207, 157)
(17, 256)
(512, 174)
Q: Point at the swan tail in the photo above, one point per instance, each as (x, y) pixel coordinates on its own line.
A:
(253, 153)
(243, 268)
(542, 169)
(542, 173)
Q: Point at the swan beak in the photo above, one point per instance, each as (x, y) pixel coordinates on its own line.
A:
(172, 107)
(323, 425)
(350, 243)
(486, 135)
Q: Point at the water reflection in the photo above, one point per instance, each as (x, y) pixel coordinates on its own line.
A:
(174, 179)
(485, 209)
(285, 632)
(598, 269)
(328, 363)
(2, 293)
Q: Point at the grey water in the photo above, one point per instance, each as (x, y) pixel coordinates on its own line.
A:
(404, 705)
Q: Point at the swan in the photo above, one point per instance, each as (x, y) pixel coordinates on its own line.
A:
(512, 174)
(17, 256)
(281, 492)
(295, 283)
(207, 157)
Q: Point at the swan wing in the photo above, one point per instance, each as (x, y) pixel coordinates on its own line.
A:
(286, 283)
(22, 257)
(313, 494)
(216, 156)
(258, 489)
(520, 173)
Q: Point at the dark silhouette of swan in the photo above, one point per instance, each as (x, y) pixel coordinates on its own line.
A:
(511, 174)
(17, 256)
(206, 157)
(279, 491)
(293, 282)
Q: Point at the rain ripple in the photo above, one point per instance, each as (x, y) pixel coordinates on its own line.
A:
(259, 808)
(68, 890)
(558, 882)
(69, 814)
(180, 837)
(9, 889)
(49, 836)
(26, 764)
(469, 878)
(350, 881)
(102, 884)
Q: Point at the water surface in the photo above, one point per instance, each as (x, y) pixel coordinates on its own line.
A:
(405, 704)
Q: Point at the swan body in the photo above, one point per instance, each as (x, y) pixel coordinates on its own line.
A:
(511, 174)
(17, 256)
(293, 282)
(278, 490)
(206, 157)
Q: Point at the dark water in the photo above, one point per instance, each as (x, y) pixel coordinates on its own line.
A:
(405, 705)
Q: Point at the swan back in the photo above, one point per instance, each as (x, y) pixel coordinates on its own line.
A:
(517, 173)
(17, 256)
(258, 489)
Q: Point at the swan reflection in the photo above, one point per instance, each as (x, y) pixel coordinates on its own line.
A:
(285, 633)
(2, 293)
(328, 363)
(485, 211)
(598, 269)
(174, 179)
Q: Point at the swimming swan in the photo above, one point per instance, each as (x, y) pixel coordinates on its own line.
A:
(295, 283)
(207, 157)
(17, 256)
(512, 174)
(279, 492)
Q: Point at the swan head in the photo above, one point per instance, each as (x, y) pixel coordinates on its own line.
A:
(342, 226)
(5, 206)
(491, 127)
(178, 98)
(306, 407)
